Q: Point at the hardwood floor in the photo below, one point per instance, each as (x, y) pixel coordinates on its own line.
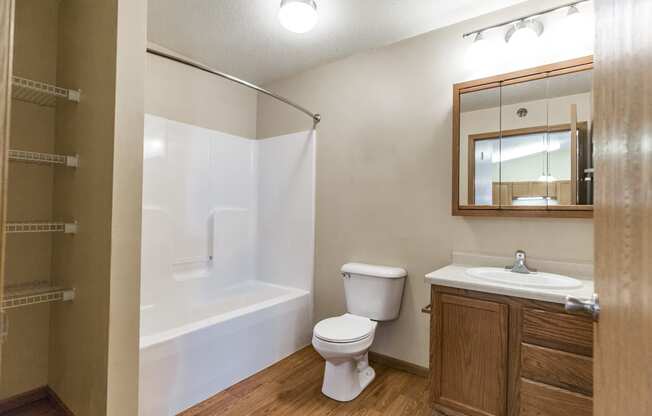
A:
(293, 387)
(42, 407)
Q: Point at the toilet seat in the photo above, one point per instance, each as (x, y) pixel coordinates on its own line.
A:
(347, 328)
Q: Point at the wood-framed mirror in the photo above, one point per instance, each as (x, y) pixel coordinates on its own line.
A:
(522, 143)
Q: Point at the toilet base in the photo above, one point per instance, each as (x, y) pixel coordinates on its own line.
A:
(345, 379)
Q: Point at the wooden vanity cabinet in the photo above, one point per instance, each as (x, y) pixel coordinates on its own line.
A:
(493, 355)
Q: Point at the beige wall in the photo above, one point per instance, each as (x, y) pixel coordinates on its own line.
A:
(384, 172)
(25, 354)
(79, 329)
(178, 92)
(122, 394)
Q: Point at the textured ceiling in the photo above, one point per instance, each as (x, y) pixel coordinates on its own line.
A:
(245, 39)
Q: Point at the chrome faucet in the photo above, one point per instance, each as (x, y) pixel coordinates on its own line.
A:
(519, 265)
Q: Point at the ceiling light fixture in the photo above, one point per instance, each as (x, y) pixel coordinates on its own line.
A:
(298, 16)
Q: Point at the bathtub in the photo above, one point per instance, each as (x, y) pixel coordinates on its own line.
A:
(191, 351)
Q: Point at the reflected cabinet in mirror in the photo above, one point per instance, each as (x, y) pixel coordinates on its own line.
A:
(522, 143)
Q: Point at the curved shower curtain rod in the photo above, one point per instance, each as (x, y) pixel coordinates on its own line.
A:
(316, 118)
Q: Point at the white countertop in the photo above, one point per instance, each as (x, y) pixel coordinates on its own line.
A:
(455, 276)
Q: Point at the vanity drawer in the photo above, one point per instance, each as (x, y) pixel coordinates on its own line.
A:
(542, 400)
(557, 368)
(560, 331)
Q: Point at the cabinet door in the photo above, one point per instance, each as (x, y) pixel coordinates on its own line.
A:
(469, 355)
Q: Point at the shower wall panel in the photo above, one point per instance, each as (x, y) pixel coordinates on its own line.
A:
(286, 209)
(199, 210)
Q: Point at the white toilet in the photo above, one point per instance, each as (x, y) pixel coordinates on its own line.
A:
(373, 294)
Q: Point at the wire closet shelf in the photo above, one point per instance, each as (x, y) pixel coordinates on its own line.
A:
(41, 93)
(40, 227)
(33, 293)
(43, 158)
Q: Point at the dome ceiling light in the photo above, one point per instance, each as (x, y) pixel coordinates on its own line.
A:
(298, 16)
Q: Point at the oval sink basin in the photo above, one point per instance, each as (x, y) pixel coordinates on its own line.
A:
(538, 280)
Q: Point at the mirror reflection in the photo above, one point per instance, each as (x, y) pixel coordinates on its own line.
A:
(527, 144)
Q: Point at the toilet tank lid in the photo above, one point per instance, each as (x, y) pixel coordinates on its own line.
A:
(373, 270)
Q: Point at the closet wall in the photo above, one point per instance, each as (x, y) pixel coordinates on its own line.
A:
(69, 345)
(29, 256)
(79, 329)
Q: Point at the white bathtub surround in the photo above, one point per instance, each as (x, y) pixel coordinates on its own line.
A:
(456, 275)
(227, 259)
(207, 347)
(286, 169)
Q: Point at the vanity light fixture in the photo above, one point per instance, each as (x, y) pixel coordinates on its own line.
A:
(481, 49)
(574, 24)
(298, 16)
(573, 12)
(524, 32)
(528, 26)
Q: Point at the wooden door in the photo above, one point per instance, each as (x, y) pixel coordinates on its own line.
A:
(623, 207)
(469, 366)
(6, 59)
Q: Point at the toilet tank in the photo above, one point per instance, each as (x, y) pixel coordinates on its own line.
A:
(372, 291)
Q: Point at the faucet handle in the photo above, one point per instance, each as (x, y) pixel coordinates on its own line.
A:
(519, 263)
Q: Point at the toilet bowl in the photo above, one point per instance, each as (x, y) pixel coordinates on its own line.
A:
(344, 343)
(373, 293)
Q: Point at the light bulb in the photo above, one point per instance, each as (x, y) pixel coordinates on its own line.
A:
(298, 16)
(572, 13)
(574, 24)
(522, 38)
(480, 51)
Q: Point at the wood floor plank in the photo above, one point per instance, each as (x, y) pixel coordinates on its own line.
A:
(42, 407)
(293, 387)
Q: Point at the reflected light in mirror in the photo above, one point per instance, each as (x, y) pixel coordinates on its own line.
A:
(547, 178)
(535, 200)
(517, 152)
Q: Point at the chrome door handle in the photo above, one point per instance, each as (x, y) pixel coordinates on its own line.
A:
(585, 307)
